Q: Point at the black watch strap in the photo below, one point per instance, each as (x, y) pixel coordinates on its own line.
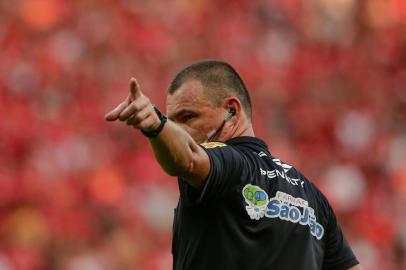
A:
(154, 133)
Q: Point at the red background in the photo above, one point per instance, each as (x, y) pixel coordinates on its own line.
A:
(328, 85)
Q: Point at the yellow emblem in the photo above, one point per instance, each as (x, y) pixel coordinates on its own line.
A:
(213, 144)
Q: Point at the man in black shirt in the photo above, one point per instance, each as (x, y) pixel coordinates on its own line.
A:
(239, 206)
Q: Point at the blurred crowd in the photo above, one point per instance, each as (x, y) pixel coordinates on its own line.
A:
(328, 85)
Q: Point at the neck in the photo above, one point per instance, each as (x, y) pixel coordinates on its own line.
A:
(242, 128)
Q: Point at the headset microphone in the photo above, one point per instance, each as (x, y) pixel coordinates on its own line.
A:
(215, 132)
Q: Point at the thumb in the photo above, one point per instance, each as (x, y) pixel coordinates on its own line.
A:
(135, 90)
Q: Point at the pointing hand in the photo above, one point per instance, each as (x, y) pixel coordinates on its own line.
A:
(136, 110)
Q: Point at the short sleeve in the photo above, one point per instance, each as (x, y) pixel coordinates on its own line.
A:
(338, 254)
(228, 166)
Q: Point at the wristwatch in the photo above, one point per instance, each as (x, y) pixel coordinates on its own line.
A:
(154, 133)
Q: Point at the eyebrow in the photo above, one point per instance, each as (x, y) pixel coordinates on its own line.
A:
(180, 112)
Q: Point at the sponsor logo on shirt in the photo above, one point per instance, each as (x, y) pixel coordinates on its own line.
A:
(283, 206)
(286, 167)
(213, 144)
(282, 172)
(274, 173)
(257, 199)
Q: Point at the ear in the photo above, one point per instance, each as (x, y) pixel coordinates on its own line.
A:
(232, 104)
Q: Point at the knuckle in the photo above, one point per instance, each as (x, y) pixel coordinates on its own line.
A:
(125, 115)
(135, 107)
(138, 105)
(138, 118)
(135, 119)
(132, 122)
(146, 100)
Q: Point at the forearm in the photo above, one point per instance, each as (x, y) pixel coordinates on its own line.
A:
(175, 150)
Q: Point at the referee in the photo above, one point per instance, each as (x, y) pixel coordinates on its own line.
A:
(239, 207)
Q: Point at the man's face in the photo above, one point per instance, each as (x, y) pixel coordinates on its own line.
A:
(190, 108)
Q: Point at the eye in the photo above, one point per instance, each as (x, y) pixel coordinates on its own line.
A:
(187, 117)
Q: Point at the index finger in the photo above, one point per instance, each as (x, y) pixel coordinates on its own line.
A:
(135, 91)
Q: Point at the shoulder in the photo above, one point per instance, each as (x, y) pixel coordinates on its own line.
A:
(224, 149)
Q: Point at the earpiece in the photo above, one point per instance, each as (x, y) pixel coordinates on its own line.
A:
(231, 113)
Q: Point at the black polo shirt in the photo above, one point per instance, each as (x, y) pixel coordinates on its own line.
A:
(255, 212)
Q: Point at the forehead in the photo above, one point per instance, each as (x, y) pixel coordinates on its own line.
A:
(190, 95)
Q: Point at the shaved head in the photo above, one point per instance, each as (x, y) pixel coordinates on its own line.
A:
(219, 79)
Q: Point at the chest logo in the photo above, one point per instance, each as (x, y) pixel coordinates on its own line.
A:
(257, 199)
(208, 145)
(283, 206)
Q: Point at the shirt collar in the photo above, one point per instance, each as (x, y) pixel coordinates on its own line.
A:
(247, 140)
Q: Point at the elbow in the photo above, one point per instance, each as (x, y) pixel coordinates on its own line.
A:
(183, 170)
(180, 168)
(172, 171)
(193, 171)
(184, 164)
